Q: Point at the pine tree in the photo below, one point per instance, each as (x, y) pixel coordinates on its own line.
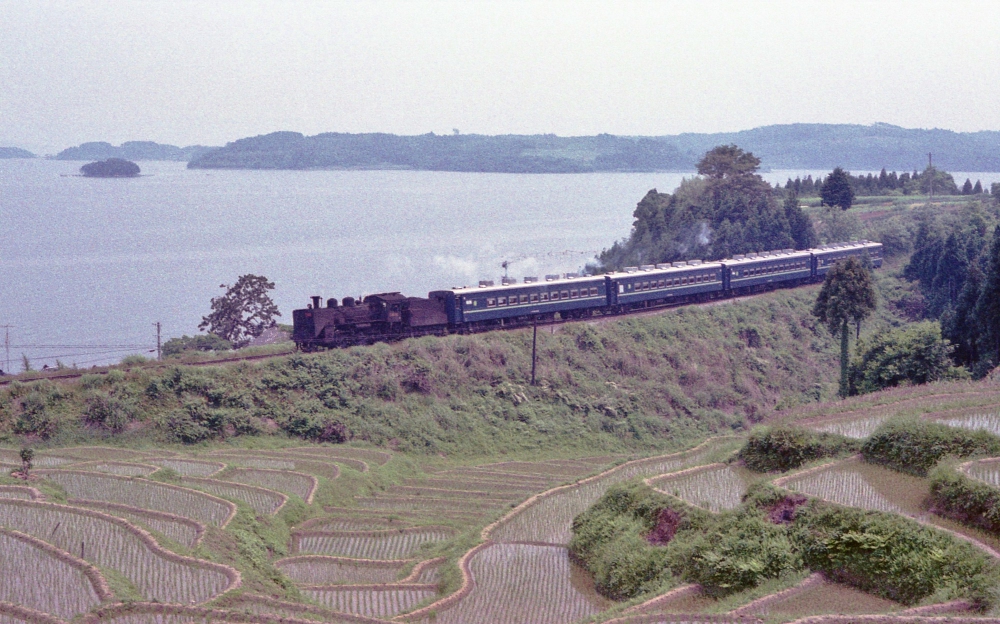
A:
(967, 187)
(978, 188)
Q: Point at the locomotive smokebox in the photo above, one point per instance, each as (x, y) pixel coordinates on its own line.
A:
(316, 301)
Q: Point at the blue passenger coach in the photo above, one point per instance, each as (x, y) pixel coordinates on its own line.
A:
(760, 270)
(648, 285)
(571, 297)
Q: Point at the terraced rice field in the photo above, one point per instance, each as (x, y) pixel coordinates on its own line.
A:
(261, 500)
(826, 598)
(322, 570)
(987, 471)
(977, 421)
(190, 467)
(297, 483)
(377, 601)
(716, 488)
(518, 583)
(113, 543)
(38, 579)
(144, 494)
(401, 544)
(549, 518)
(125, 469)
(856, 484)
(182, 530)
(857, 428)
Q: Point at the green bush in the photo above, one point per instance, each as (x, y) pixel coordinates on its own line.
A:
(772, 534)
(740, 551)
(889, 555)
(967, 500)
(782, 447)
(206, 342)
(915, 446)
(914, 354)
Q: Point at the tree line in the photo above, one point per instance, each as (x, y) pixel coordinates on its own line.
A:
(892, 183)
(956, 262)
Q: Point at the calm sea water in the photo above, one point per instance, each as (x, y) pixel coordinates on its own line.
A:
(97, 262)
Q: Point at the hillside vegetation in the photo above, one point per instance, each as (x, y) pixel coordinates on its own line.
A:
(625, 383)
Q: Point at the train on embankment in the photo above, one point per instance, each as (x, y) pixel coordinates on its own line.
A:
(392, 316)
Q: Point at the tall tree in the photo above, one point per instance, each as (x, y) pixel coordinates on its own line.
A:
(727, 161)
(837, 190)
(988, 304)
(243, 312)
(848, 294)
(800, 224)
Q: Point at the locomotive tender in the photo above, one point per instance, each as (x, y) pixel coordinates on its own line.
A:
(392, 316)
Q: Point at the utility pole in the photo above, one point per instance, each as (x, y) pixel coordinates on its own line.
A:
(6, 344)
(930, 171)
(534, 342)
(157, 323)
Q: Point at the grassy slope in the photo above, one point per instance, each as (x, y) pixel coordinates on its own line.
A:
(632, 384)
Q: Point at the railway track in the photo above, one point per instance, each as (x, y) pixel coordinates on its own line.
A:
(68, 375)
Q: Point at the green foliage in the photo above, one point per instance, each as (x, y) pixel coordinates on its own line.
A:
(206, 342)
(243, 312)
(889, 555)
(731, 210)
(914, 354)
(782, 447)
(915, 446)
(837, 190)
(848, 294)
(737, 552)
(634, 384)
(883, 553)
(111, 411)
(967, 500)
(111, 168)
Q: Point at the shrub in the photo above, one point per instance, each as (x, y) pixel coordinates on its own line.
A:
(206, 342)
(740, 551)
(889, 555)
(781, 448)
(967, 500)
(914, 354)
(113, 413)
(915, 446)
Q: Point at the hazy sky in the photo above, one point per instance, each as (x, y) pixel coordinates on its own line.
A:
(214, 71)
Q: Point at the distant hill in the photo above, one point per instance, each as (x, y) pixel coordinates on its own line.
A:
(465, 152)
(791, 146)
(15, 152)
(133, 150)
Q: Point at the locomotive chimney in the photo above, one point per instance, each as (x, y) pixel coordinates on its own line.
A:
(316, 301)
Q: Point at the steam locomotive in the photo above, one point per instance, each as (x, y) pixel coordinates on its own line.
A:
(392, 316)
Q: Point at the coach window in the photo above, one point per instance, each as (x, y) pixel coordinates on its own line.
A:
(502, 301)
(573, 293)
(543, 296)
(534, 298)
(524, 298)
(564, 294)
(491, 302)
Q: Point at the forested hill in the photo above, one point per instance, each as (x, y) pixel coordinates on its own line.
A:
(132, 150)
(792, 146)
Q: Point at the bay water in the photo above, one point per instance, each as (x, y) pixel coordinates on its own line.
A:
(87, 266)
